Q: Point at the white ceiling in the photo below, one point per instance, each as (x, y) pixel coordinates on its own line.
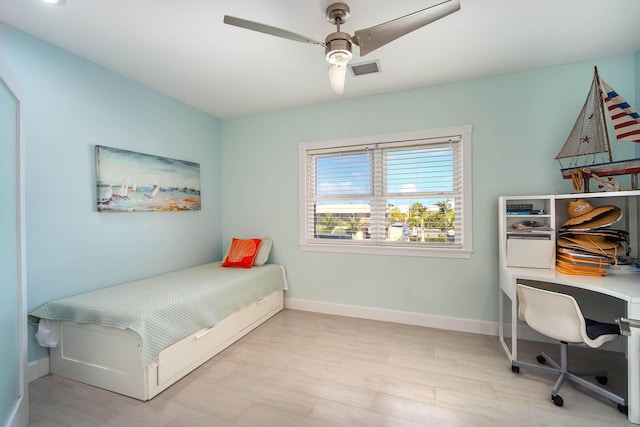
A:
(183, 49)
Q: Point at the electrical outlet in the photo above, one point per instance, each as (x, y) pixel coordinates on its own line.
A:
(407, 292)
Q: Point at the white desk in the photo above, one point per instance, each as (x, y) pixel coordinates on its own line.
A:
(626, 287)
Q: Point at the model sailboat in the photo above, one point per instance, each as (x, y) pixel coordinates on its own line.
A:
(589, 138)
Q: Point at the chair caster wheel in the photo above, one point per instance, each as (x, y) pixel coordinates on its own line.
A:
(557, 400)
(603, 380)
(623, 408)
(515, 369)
(541, 359)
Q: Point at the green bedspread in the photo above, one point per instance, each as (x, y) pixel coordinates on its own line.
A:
(167, 308)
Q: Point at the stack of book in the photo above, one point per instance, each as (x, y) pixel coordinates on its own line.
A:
(523, 209)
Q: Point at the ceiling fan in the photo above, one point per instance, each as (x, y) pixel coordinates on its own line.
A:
(338, 44)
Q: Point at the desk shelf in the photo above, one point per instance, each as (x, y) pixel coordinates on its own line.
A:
(553, 213)
(524, 247)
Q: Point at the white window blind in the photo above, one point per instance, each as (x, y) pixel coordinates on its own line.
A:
(394, 193)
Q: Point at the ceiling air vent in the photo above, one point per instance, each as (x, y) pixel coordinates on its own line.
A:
(364, 68)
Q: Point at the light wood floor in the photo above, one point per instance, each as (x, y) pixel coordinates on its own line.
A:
(308, 369)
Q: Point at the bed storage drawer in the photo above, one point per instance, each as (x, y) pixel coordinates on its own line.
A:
(254, 313)
(194, 350)
(189, 353)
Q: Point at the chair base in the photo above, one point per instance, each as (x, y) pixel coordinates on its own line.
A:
(575, 376)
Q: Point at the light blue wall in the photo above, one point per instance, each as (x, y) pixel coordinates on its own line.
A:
(72, 105)
(520, 122)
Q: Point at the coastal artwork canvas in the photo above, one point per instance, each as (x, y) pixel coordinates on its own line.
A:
(134, 182)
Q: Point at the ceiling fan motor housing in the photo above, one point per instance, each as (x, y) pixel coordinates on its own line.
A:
(338, 13)
(338, 48)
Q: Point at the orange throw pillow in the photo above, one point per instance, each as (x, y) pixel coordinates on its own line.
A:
(242, 253)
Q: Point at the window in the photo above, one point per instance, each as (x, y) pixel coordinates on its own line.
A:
(401, 194)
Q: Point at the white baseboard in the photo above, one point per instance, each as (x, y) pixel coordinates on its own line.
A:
(395, 316)
(37, 368)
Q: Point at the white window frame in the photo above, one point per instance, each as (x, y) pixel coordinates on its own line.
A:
(306, 244)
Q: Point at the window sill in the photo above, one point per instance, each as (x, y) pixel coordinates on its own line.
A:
(387, 250)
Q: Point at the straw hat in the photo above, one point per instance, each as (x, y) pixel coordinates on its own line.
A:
(570, 268)
(608, 233)
(584, 216)
(602, 220)
(590, 242)
(597, 245)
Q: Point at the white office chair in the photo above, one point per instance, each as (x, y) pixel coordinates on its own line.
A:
(558, 316)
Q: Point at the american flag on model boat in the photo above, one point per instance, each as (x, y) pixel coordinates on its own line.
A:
(626, 121)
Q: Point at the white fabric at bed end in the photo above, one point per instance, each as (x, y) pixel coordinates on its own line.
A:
(48, 333)
(284, 279)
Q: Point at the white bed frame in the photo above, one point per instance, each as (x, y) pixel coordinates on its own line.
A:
(109, 358)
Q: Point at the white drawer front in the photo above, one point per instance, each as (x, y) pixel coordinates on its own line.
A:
(180, 356)
(530, 253)
(259, 309)
(187, 354)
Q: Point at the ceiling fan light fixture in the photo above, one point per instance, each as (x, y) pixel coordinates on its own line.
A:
(338, 48)
(339, 56)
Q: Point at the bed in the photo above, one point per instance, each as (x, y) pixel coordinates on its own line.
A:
(139, 338)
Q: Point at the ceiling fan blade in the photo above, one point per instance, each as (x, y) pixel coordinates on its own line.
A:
(337, 75)
(372, 38)
(268, 29)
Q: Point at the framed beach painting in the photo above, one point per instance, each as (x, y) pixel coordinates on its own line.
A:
(135, 182)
